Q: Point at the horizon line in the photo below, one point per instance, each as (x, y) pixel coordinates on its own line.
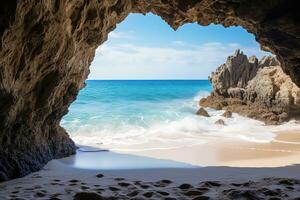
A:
(147, 79)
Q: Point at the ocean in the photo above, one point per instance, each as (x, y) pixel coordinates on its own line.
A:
(126, 115)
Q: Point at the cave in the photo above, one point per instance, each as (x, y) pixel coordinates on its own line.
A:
(46, 49)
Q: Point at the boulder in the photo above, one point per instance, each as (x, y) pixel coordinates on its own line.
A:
(220, 122)
(202, 112)
(227, 114)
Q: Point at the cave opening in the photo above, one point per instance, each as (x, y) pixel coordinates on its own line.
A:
(53, 43)
(145, 84)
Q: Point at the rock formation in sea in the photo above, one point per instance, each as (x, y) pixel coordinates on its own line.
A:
(254, 88)
(202, 112)
(46, 48)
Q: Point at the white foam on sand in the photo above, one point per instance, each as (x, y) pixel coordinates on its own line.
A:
(187, 131)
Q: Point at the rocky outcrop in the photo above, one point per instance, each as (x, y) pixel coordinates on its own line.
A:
(257, 89)
(46, 48)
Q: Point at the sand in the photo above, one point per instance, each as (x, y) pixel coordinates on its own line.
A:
(109, 175)
(59, 180)
(282, 151)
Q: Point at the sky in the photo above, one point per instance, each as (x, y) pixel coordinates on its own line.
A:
(145, 47)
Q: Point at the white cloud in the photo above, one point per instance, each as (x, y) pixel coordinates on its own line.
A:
(121, 35)
(179, 61)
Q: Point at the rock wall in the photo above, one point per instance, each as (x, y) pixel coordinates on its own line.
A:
(256, 89)
(46, 47)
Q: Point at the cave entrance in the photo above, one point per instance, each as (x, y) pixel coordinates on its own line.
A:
(145, 83)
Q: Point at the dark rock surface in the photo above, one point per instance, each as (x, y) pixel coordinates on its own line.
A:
(202, 112)
(46, 48)
(227, 114)
(256, 89)
(220, 122)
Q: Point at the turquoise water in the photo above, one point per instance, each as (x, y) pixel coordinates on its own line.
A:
(111, 111)
(116, 104)
(126, 115)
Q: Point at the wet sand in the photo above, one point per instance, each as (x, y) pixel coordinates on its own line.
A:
(282, 151)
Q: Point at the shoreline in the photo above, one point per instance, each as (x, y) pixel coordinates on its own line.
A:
(283, 150)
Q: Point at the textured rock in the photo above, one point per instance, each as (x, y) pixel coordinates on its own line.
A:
(220, 122)
(265, 92)
(227, 114)
(202, 112)
(46, 48)
(235, 73)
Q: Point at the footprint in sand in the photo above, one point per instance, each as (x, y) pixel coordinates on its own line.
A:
(162, 183)
(211, 184)
(55, 195)
(68, 191)
(203, 189)
(243, 194)
(29, 189)
(290, 187)
(87, 196)
(119, 179)
(193, 193)
(36, 176)
(124, 184)
(99, 175)
(99, 190)
(114, 189)
(163, 193)
(148, 194)
(202, 198)
(170, 198)
(269, 192)
(39, 194)
(74, 181)
(289, 182)
(133, 193)
(145, 186)
(185, 186)
(85, 187)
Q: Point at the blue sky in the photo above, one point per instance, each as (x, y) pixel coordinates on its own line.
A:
(145, 47)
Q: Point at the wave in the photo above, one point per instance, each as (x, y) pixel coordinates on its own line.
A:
(165, 124)
(186, 131)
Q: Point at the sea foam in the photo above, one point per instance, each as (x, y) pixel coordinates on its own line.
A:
(162, 119)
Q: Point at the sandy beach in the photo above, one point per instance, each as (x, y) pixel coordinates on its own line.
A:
(60, 181)
(258, 171)
(283, 150)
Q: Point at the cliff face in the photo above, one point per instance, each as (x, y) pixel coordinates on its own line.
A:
(257, 89)
(46, 48)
